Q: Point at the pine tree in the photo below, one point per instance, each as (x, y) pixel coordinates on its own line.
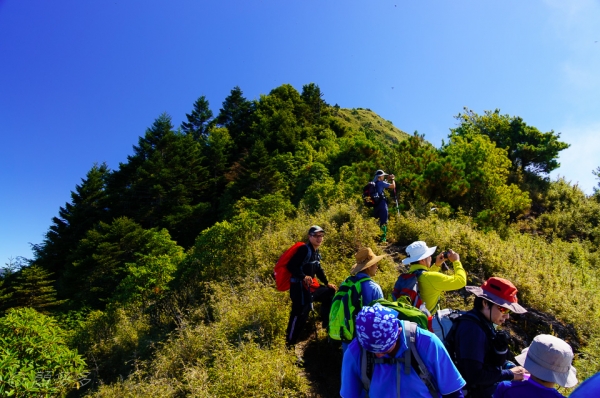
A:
(164, 183)
(89, 205)
(33, 288)
(236, 116)
(199, 120)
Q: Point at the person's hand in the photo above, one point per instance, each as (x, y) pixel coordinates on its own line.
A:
(332, 286)
(307, 281)
(453, 256)
(519, 372)
(392, 176)
(439, 259)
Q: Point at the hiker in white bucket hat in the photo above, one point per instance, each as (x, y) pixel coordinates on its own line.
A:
(548, 360)
(431, 282)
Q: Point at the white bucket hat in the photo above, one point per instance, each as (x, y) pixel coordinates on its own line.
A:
(549, 358)
(417, 251)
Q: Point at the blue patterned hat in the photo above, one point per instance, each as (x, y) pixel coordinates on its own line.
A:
(377, 328)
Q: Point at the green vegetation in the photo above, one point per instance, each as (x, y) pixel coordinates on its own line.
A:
(34, 358)
(160, 272)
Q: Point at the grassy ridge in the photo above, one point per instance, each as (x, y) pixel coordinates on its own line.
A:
(231, 343)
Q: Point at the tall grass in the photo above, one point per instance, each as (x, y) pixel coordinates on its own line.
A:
(231, 341)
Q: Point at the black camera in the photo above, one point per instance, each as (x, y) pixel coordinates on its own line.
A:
(445, 254)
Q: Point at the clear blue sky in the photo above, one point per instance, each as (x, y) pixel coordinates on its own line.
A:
(81, 80)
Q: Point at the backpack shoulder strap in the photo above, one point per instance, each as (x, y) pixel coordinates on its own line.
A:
(308, 253)
(420, 367)
(410, 359)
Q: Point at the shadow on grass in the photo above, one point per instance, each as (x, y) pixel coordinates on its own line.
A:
(322, 365)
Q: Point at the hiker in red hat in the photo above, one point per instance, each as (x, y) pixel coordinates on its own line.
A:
(479, 350)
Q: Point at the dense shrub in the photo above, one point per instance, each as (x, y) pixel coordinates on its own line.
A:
(34, 358)
(558, 278)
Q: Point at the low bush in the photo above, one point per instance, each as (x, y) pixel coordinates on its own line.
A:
(35, 360)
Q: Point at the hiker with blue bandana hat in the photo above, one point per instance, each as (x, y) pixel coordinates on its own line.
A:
(390, 342)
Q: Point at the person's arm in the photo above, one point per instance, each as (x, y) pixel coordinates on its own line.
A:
(371, 291)
(475, 373)
(445, 282)
(296, 262)
(448, 380)
(392, 185)
(352, 386)
(319, 273)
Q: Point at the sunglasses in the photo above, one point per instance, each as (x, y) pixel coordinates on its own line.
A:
(503, 310)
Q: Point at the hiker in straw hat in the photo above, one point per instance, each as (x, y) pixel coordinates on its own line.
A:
(481, 351)
(548, 360)
(367, 264)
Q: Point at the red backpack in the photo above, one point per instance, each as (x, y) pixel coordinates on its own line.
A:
(281, 273)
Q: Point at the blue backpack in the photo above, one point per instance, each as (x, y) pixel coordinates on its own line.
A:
(407, 286)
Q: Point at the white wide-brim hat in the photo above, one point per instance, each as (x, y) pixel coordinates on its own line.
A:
(417, 251)
(549, 358)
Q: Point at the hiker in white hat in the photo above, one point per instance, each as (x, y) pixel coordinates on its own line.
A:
(548, 360)
(431, 282)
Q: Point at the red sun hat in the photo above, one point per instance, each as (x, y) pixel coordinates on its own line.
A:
(499, 291)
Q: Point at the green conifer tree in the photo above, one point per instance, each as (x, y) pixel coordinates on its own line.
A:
(89, 205)
(199, 120)
(236, 116)
(32, 287)
(164, 183)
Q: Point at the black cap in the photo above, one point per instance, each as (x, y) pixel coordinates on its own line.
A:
(314, 229)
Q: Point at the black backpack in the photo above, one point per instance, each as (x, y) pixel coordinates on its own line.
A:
(370, 196)
(411, 359)
(498, 340)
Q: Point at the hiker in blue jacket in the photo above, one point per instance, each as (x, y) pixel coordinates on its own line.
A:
(480, 351)
(379, 331)
(305, 267)
(366, 267)
(380, 211)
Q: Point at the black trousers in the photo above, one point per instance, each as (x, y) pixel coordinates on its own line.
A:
(302, 300)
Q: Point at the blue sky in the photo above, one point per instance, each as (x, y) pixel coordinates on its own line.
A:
(80, 81)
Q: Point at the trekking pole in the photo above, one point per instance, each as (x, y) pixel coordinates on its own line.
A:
(396, 197)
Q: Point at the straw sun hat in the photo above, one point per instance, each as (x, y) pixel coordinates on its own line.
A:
(365, 258)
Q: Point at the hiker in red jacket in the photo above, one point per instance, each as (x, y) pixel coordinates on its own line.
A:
(305, 267)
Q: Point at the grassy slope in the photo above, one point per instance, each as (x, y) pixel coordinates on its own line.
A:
(383, 130)
(241, 351)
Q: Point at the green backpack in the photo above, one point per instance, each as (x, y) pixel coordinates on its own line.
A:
(345, 305)
(406, 311)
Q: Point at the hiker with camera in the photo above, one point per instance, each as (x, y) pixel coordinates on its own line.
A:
(305, 268)
(430, 282)
(392, 358)
(380, 211)
(480, 352)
